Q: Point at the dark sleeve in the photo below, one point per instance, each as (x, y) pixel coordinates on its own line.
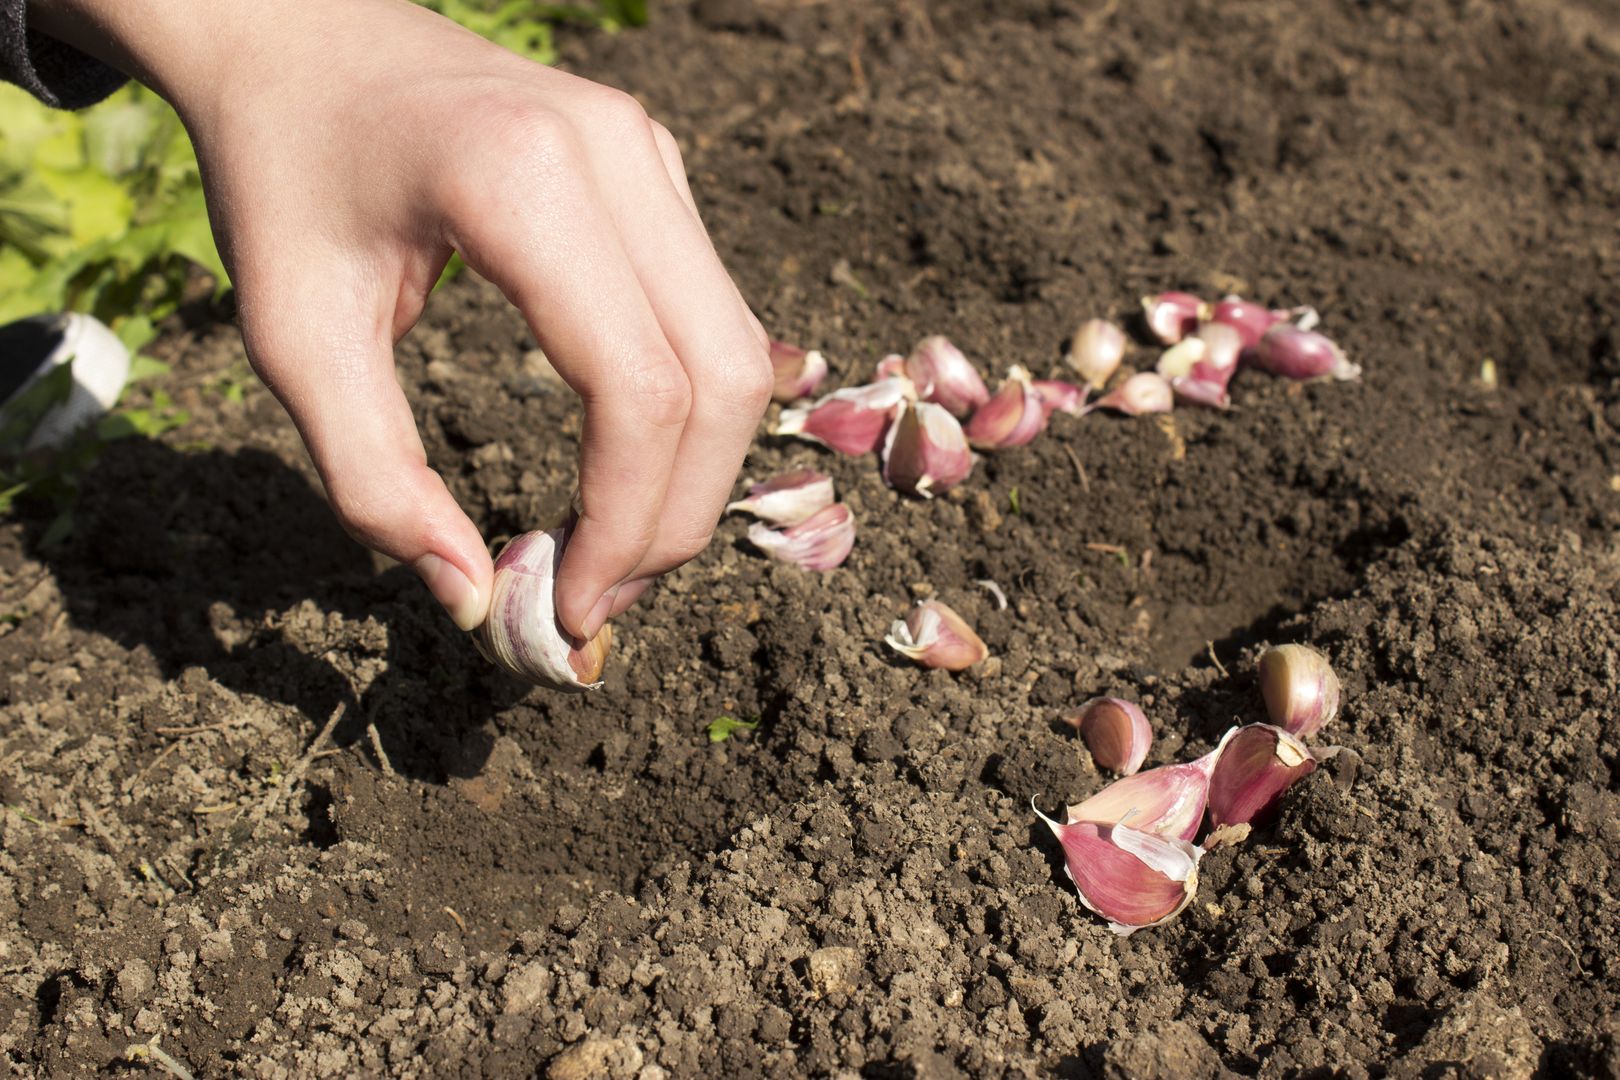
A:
(53, 72)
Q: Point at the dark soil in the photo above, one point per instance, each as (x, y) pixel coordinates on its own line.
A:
(588, 885)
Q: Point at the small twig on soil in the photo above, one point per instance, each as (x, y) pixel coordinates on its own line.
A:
(1573, 955)
(377, 748)
(198, 730)
(1106, 549)
(1079, 469)
(1220, 667)
(151, 1051)
(450, 911)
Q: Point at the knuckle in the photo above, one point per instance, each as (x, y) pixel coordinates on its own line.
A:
(661, 392)
(667, 144)
(745, 380)
(618, 112)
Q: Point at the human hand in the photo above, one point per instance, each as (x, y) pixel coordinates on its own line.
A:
(347, 149)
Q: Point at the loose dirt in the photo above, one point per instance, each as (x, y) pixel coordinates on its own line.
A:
(502, 882)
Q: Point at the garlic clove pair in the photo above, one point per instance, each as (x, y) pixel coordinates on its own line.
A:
(521, 634)
(1012, 417)
(1144, 392)
(787, 499)
(851, 420)
(1116, 732)
(1096, 352)
(1201, 365)
(936, 637)
(1293, 353)
(820, 542)
(1300, 689)
(798, 372)
(1258, 764)
(1133, 879)
(925, 450)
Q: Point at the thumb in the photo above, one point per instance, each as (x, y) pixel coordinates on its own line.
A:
(334, 374)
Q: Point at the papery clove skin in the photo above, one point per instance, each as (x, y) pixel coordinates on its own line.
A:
(1131, 878)
(1166, 801)
(851, 420)
(787, 499)
(945, 376)
(1012, 417)
(1201, 366)
(1293, 353)
(1144, 392)
(1259, 763)
(1116, 732)
(1300, 689)
(1096, 352)
(1059, 396)
(798, 371)
(1249, 319)
(521, 634)
(925, 450)
(819, 542)
(937, 637)
(1171, 316)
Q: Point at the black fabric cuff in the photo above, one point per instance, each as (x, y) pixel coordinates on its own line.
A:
(57, 74)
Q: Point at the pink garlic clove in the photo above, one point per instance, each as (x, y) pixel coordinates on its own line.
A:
(1167, 801)
(787, 499)
(820, 542)
(1258, 764)
(1197, 391)
(1059, 396)
(798, 372)
(925, 451)
(851, 420)
(1171, 316)
(1096, 351)
(1116, 732)
(1249, 319)
(944, 376)
(937, 637)
(889, 366)
(1012, 417)
(1131, 878)
(1300, 689)
(1144, 392)
(1293, 353)
(521, 634)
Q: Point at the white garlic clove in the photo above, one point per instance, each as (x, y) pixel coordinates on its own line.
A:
(935, 636)
(787, 499)
(521, 634)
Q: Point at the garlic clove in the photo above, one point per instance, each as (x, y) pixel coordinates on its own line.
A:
(925, 450)
(820, 542)
(1199, 367)
(1144, 392)
(1012, 417)
(1249, 319)
(1259, 763)
(521, 634)
(787, 499)
(1300, 689)
(851, 420)
(1293, 353)
(1131, 878)
(1116, 732)
(1059, 396)
(893, 364)
(798, 372)
(937, 637)
(1096, 351)
(1167, 801)
(1171, 316)
(945, 376)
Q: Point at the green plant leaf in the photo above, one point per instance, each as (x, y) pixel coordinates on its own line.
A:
(722, 728)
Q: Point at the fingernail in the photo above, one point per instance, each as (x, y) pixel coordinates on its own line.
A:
(629, 593)
(599, 614)
(451, 588)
